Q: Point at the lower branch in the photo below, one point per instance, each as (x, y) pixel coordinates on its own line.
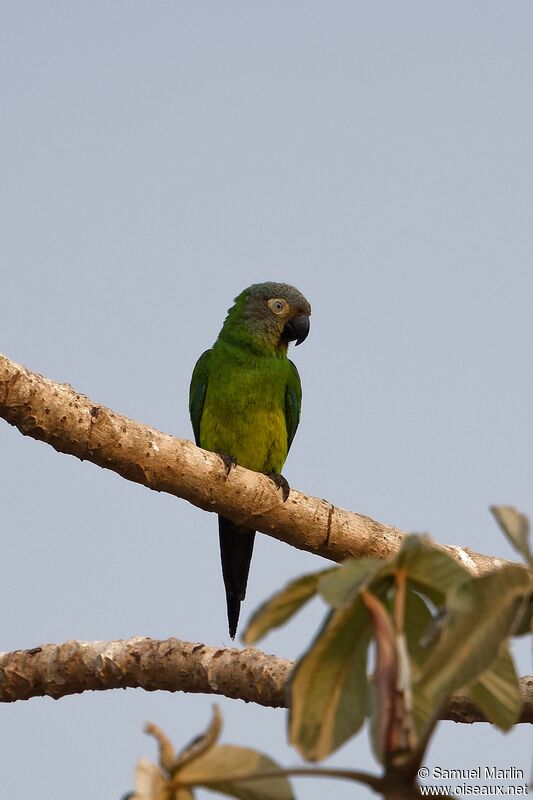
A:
(174, 666)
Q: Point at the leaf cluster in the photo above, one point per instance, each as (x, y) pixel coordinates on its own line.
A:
(227, 769)
(428, 627)
(431, 627)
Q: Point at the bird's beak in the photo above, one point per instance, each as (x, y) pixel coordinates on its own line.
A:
(296, 329)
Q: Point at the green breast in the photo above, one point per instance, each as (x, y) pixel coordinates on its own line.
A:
(244, 410)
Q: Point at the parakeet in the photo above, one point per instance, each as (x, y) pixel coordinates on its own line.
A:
(244, 402)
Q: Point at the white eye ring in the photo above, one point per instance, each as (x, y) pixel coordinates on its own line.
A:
(278, 305)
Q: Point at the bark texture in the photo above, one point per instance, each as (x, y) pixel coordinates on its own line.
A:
(174, 666)
(171, 665)
(72, 423)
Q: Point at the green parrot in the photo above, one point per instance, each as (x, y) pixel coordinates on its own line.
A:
(244, 402)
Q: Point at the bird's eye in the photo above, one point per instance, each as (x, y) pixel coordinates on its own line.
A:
(278, 305)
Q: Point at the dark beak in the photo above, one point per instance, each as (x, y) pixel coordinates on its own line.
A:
(296, 329)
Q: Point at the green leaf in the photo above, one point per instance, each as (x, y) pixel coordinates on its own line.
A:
(339, 586)
(430, 568)
(224, 768)
(329, 686)
(524, 622)
(418, 621)
(481, 614)
(515, 525)
(496, 692)
(282, 605)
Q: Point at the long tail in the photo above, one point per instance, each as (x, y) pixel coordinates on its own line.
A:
(236, 548)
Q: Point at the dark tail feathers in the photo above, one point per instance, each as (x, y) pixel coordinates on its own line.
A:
(236, 548)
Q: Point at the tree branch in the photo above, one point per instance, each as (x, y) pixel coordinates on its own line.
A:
(170, 665)
(72, 423)
(174, 666)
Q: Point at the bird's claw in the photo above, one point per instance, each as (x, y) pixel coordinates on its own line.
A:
(281, 483)
(228, 461)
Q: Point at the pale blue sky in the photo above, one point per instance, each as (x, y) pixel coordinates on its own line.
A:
(155, 159)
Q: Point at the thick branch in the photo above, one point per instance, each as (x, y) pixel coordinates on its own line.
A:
(72, 423)
(173, 666)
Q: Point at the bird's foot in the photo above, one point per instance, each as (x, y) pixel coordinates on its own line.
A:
(280, 483)
(228, 461)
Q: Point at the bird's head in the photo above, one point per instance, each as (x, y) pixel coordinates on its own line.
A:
(269, 316)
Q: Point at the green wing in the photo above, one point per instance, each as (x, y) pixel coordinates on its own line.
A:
(293, 403)
(197, 391)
